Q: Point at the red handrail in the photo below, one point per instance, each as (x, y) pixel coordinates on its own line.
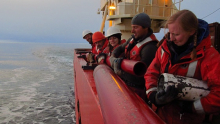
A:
(119, 105)
(137, 68)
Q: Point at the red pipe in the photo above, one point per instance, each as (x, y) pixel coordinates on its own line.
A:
(120, 105)
(137, 68)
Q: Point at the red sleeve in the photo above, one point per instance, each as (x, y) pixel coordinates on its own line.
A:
(123, 41)
(210, 73)
(153, 73)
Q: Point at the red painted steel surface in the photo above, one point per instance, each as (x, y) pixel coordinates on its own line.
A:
(88, 109)
(120, 105)
(137, 68)
(114, 103)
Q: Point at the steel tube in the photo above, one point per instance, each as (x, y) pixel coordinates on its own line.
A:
(119, 105)
(137, 68)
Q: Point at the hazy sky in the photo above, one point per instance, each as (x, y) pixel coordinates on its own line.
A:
(64, 20)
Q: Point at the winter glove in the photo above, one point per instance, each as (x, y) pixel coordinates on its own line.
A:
(101, 58)
(112, 59)
(90, 57)
(163, 97)
(116, 64)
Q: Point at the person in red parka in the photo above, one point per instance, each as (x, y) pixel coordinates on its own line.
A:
(114, 38)
(87, 35)
(100, 40)
(101, 43)
(187, 51)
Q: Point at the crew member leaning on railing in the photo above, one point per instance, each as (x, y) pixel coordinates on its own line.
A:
(101, 43)
(140, 47)
(114, 38)
(87, 35)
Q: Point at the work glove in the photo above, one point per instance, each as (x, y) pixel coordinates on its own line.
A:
(90, 57)
(116, 64)
(101, 58)
(112, 59)
(163, 97)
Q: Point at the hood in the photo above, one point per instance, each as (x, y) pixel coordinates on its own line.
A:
(203, 31)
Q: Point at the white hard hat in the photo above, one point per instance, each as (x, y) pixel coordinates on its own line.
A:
(112, 30)
(85, 32)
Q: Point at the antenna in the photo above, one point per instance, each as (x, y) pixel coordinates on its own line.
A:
(211, 13)
(98, 12)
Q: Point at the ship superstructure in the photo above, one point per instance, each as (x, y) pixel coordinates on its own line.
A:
(120, 12)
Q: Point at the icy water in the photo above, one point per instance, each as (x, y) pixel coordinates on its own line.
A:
(36, 83)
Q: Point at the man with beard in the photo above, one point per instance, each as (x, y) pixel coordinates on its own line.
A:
(101, 43)
(141, 46)
(87, 35)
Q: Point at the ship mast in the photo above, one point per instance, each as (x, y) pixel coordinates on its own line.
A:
(123, 11)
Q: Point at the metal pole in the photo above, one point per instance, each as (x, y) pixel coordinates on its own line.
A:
(104, 18)
(110, 13)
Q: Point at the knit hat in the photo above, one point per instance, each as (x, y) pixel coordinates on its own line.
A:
(97, 36)
(141, 19)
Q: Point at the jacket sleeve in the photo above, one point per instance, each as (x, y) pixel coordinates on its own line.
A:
(152, 74)
(148, 53)
(210, 73)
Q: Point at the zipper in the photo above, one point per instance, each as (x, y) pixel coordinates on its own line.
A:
(168, 63)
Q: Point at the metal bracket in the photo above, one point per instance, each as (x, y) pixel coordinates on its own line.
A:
(80, 52)
(89, 67)
(81, 56)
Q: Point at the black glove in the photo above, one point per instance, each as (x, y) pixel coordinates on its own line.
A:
(163, 97)
(100, 57)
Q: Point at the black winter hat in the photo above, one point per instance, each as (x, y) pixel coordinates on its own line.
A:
(141, 19)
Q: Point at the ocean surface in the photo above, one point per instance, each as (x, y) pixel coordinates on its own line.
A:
(36, 83)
